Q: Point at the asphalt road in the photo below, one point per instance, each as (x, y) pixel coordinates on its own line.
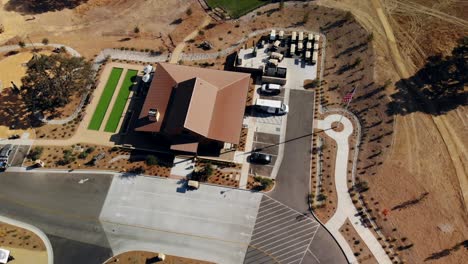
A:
(66, 211)
(293, 178)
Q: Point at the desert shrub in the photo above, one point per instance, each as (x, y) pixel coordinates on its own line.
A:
(90, 149)
(83, 155)
(321, 197)
(151, 160)
(36, 153)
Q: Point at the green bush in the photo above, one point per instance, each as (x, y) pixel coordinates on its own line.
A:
(321, 197)
(36, 153)
(151, 160)
(90, 149)
(83, 155)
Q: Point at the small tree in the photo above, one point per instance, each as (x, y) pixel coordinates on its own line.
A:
(36, 153)
(45, 41)
(281, 5)
(136, 30)
(189, 12)
(370, 37)
(21, 44)
(151, 160)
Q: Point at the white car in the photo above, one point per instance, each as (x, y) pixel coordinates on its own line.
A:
(272, 106)
(270, 89)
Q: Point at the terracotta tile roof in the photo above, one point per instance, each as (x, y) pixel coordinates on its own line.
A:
(215, 108)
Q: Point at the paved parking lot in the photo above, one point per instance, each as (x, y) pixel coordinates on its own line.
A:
(212, 223)
(281, 234)
(17, 155)
(267, 135)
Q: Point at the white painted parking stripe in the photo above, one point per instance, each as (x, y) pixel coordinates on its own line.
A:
(276, 241)
(265, 204)
(274, 232)
(280, 245)
(289, 215)
(275, 211)
(262, 207)
(276, 226)
(302, 249)
(296, 255)
(264, 211)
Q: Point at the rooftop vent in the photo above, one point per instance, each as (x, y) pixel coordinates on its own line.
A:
(153, 115)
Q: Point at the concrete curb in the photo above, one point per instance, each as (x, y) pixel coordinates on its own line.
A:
(35, 230)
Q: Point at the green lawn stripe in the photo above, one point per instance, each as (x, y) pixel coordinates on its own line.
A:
(120, 102)
(237, 8)
(105, 99)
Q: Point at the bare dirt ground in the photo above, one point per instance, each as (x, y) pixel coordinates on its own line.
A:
(115, 159)
(14, 236)
(427, 153)
(362, 253)
(142, 257)
(108, 23)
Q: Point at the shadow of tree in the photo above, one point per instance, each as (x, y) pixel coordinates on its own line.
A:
(440, 86)
(41, 6)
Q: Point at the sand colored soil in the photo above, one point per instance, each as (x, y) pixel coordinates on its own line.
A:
(426, 154)
(361, 251)
(143, 257)
(96, 20)
(325, 209)
(16, 237)
(13, 68)
(115, 159)
(21, 256)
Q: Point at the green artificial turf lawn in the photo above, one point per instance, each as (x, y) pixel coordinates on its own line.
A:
(120, 102)
(237, 8)
(105, 99)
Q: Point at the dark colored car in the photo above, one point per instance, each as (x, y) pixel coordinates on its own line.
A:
(260, 158)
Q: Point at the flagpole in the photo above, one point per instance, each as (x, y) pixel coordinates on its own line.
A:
(349, 101)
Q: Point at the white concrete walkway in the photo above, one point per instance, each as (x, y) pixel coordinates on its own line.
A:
(346, 209)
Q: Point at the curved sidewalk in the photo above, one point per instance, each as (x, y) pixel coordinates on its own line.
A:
(346, 208)
(35, 230)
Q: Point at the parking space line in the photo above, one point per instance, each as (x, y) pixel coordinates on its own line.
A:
(25, 155)
(14, 155)
(313, 220)
(275, 225)
(302, 249)
(280, 245)
(288, 231)
(262, 142)
(276, 241)
(293, 256)
(274, 232)
(263, 209)
(296, 223)
(275, 220)
(266, 204)
(313, 255)
(287, 212)
(271, 208)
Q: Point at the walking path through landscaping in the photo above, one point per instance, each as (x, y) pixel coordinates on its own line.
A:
(180, 47)
(346, 209)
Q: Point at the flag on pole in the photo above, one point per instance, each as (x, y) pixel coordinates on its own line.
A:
(349, 96)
